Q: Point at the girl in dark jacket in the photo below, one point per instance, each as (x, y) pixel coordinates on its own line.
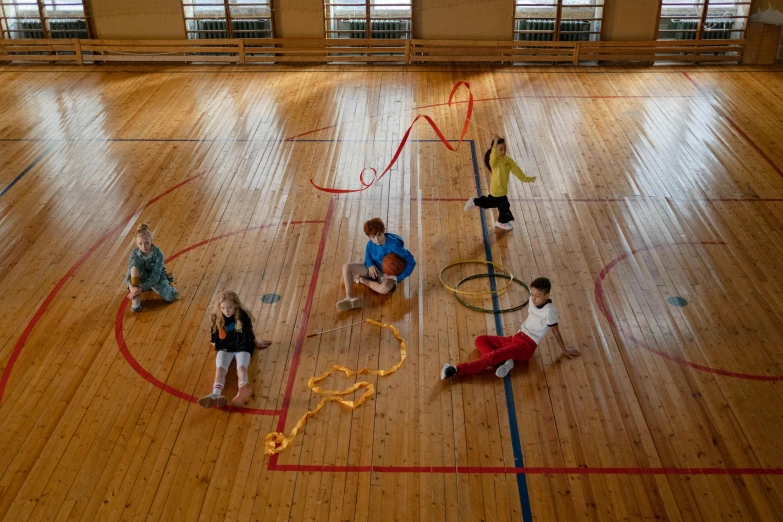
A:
(232, 338)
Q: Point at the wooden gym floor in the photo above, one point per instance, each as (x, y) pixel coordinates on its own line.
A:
(652, 184)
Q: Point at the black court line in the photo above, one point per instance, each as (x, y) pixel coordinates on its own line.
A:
(46, 151)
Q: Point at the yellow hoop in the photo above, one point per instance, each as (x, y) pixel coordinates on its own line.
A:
(480, 261)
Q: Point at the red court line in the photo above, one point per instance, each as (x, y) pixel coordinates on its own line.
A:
(249, 229)
(61, 283)
(749, 140)
(291, 138)
(146, 375)
(600, 298)
(688, 76)
(526, 470)
(497, 98)
(737, 128)
(300, 340)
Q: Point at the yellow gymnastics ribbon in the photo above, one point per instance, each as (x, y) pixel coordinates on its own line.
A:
(277, 442)
(479, 261)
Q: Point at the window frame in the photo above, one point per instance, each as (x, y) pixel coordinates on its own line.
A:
(702, 18)
(367, 6)
(43, 11)
(557, 18)
(223, 11)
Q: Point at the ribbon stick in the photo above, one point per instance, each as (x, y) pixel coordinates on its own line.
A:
(333, 329)
(277, 442)
(395, 157)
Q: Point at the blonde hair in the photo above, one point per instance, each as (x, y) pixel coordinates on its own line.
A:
(144, 230)
(219, 321)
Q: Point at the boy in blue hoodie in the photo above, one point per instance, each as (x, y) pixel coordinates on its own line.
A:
(370, 273)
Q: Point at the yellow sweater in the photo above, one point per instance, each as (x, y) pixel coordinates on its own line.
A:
(501, 167)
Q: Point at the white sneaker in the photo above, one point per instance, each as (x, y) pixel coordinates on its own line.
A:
(136, 304)
(470, 204)
(504, 368)
(504, 226)
(349, 303)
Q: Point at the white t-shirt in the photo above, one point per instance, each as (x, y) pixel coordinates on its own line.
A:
(539, 320)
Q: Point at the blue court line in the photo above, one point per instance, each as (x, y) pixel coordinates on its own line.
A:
(46, 151)
(516, 445)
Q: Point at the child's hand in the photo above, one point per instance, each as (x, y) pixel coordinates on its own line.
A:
(373, 272)
(135, 291)
(263, 345)
(571, 354)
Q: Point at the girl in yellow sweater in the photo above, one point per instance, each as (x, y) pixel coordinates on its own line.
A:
(501, 165)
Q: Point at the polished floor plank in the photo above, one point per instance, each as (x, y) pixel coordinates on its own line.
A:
(652, 184)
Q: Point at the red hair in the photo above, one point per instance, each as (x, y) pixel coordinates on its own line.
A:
(374, 227)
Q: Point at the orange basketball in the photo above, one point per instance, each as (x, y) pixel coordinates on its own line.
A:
(393, 265)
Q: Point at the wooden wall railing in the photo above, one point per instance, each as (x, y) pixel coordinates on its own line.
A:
(284, 50)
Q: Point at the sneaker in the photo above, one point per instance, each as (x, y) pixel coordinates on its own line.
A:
(212, 400)
(470, 204)
(504, 368)
(447, 371)
(504, 226)
(243, 394)
(171, 278)
(136, 304)
(349, 303)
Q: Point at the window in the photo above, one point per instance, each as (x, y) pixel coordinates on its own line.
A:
(368, 18)
(703, 19)
(558, 20)
(228, 18)
(43, 19)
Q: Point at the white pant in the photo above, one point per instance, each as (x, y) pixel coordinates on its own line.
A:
(224, 359)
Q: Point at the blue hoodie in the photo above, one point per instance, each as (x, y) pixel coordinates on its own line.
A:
(374, 255)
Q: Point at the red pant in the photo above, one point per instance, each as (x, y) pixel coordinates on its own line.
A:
(497, 350)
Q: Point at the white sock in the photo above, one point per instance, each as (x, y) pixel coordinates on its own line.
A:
(218, 389)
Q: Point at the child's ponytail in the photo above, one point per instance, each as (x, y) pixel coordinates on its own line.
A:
(500, 141)
(144, 230)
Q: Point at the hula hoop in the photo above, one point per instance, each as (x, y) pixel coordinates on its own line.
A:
(510, 276)
(487, 311)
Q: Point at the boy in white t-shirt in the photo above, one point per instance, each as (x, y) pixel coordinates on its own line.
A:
(541, 317)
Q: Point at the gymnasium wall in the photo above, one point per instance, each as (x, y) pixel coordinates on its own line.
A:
(630, 19)
(450, 20)
(138, 19)
(433, 19)
(770, 12)
(299, 18)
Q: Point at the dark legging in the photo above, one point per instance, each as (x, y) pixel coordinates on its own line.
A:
(501, 203)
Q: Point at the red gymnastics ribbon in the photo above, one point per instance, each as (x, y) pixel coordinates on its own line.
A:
(376, 177)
